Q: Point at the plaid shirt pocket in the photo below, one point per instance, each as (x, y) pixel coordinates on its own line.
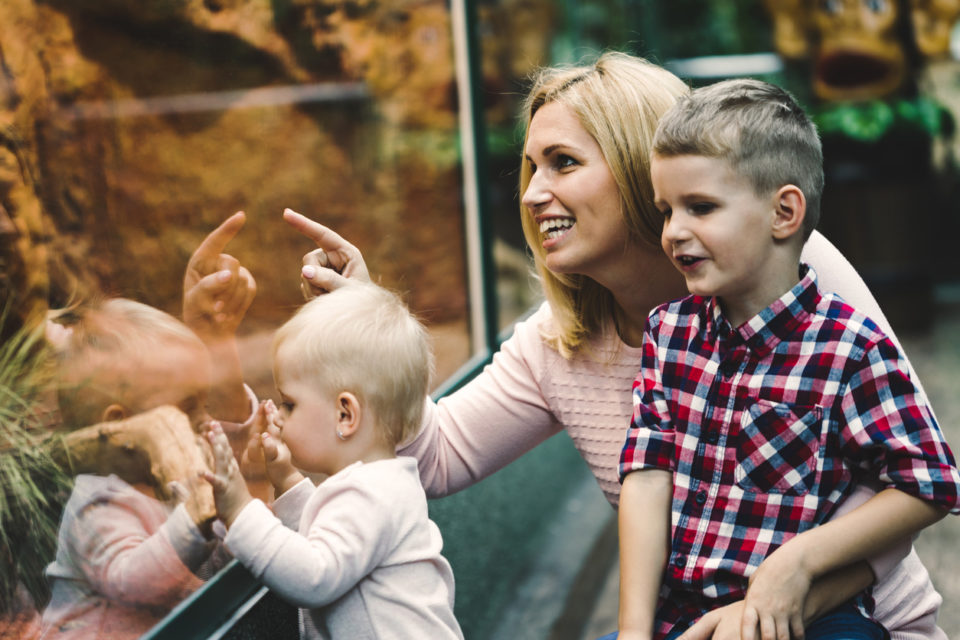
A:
(777, 448)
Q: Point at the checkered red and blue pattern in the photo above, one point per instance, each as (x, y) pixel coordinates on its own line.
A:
(766, 426)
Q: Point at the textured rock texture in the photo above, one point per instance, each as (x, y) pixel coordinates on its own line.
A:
(130, 129)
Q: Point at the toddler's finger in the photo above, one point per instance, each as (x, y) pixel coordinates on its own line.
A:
(270, 448)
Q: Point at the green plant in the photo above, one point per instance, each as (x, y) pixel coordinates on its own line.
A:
(33, 488)
(873, 120)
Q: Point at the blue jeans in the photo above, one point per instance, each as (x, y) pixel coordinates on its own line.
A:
(843, 623)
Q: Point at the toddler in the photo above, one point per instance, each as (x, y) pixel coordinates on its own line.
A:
(357, 553)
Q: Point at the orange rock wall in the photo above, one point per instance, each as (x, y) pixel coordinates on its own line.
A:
(110, 172)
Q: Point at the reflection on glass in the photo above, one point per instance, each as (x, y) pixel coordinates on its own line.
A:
(130, 132)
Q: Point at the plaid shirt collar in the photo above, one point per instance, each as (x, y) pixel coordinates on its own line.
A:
(764, 331)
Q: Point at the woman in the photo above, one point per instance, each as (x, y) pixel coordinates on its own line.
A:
(588, 217)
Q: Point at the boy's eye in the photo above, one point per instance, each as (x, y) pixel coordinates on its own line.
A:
(701, 208)
(286, 407)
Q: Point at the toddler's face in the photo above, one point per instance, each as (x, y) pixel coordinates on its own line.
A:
(308, 424)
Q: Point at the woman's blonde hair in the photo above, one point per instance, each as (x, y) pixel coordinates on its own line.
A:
(618, 100)
(361, 338)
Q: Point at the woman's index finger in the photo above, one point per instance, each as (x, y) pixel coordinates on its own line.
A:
(324, 237)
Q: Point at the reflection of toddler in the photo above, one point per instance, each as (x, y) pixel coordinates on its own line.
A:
(123, 558)
(358, 553)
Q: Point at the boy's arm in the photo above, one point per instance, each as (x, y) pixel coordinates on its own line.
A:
(217, 291)
(644, 522)
(778, 587)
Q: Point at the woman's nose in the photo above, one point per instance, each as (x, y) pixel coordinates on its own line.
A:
(536, 193)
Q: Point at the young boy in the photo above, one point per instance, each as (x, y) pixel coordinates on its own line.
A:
(124, 559)
(761, 402)
(358, 553)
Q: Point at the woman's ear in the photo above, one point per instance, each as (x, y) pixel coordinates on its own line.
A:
(348, 414)
(790, 209)
(115, 412)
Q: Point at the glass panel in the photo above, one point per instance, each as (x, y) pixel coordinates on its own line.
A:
(132, 130)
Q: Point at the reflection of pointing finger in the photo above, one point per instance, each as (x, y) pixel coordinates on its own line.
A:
(206, 256)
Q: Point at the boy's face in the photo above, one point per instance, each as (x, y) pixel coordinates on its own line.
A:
(308, 424)
(177, 375)
(716, 230)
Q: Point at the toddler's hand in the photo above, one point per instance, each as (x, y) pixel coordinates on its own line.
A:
(229, 489)
(266, 446)
(775, 597)
(217, 290)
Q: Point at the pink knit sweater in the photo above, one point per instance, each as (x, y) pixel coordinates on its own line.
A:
(529, 393)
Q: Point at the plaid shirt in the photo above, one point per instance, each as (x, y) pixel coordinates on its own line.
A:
(765, 428)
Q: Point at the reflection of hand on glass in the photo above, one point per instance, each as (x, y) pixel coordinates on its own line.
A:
(333, 264)
(217, 291)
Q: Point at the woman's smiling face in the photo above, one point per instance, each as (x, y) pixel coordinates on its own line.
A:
(572, 196)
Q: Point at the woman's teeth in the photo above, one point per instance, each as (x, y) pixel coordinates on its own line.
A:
(556, 227)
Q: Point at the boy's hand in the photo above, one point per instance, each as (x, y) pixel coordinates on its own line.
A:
(775, 597)
(266, 446)
(217, 290)
(333, 264)
(720, 624)
(229, 489)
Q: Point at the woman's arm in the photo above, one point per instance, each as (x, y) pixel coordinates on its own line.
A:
(493, 420)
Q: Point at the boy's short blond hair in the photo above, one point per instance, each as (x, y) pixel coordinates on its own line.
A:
(107, 357)
(758, 128)
(361, 338)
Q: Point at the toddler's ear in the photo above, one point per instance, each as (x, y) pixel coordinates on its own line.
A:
(790, 210)
(115, 412)
(348, 414)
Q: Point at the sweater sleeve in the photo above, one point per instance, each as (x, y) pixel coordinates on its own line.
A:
(350, 535)
(494, 419)
(112, 540)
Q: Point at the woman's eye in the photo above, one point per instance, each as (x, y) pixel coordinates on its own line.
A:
(565, 161)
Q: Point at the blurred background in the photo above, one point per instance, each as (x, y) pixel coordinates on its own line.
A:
(130, 129)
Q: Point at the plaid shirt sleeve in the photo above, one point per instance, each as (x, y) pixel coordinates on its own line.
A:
(889, 429)
(650, 437)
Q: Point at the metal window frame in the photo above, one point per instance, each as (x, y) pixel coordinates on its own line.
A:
(216, 607)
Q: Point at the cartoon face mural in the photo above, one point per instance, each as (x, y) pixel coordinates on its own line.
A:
(859, 48)
(859, 53)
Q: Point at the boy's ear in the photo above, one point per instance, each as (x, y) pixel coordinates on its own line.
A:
(115, 412)
(790, 209)
(348, 414)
